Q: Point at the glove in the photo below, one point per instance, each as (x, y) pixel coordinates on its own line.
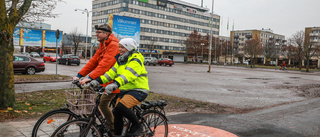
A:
(94, 84)
(111, 87)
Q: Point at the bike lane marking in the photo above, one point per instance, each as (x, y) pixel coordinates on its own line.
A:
(187, 130)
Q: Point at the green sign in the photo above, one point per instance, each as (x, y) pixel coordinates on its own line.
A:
(144, 1)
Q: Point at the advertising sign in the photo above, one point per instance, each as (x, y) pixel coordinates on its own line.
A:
(149, 51)
(32, 37)
(162, 3)
(50, 39)
(16, 36)
(125, 27)
(39, 38)
(144, 1)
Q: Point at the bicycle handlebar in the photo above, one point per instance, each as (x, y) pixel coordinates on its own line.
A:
(77, 82)
(100, 89)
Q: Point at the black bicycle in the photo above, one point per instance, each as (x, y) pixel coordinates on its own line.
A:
(50, 121)
(150, 113)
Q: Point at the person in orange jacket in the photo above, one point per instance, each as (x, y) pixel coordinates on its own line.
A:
(101, 62)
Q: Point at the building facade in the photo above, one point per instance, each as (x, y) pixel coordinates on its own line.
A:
(239, 37)
(312, 36)
(164, 24)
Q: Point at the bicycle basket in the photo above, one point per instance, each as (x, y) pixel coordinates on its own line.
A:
(81, 103)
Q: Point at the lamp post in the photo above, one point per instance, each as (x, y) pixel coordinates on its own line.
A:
(209, 57)
(88, 12)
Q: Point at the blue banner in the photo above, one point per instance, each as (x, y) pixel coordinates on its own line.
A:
(32, 37)
(126, 27)
(148, 51)
(16, 36)
(50, 40)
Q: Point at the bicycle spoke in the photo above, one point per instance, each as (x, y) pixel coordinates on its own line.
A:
(155, 124)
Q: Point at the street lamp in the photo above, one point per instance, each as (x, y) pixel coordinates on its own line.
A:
(88, 12)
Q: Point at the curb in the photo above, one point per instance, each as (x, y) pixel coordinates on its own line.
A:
(30, 82)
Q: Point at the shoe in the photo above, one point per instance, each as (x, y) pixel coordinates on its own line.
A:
(135, 133)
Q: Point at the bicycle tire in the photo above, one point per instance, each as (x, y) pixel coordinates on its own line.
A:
(157, 122)
(73, 128)
(52, 121)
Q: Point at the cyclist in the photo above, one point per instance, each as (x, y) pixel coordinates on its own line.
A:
(129, 75)
(101, 62)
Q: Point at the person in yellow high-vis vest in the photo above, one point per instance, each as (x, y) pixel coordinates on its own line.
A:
(130, 76)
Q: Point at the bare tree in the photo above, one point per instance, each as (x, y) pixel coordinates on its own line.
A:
(270, 50)
(297, 41)
(150, 45)
(289, 52)
(74, 36)
(193, 44)
(11, 13)
(253, 48)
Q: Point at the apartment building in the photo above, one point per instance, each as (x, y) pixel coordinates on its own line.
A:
(239, 37)
(312, 35)
(164, 24)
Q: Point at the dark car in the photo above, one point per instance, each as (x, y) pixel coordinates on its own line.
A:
(27, 65)
(69, 59)
(165, 62)
(41, 54)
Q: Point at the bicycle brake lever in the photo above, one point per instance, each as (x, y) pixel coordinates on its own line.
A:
(77, 82)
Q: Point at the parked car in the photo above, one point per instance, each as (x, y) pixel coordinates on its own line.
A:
(165, 62)
(41, 54)
(27, 65)
(246, 62)
(50, 57)
(69, 59)
(236, 62)
(273, 62)
(150, 60)
(26, 54)
(34, 54)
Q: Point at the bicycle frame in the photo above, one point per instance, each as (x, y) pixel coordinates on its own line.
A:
(92, 118)
(138, 110)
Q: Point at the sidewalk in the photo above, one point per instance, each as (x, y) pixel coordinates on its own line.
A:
(24, 128)
(83, 61)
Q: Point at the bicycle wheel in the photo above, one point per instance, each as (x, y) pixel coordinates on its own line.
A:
(50, 121)
(75, 128)
(155, 124)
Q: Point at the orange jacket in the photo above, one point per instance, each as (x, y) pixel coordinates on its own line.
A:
(103, 60)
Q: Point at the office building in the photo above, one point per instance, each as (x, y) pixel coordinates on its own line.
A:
(164, 24)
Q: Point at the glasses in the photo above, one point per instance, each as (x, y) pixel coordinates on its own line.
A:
(97, 32)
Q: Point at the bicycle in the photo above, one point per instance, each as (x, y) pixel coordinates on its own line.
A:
(53, 119)
(150, 113)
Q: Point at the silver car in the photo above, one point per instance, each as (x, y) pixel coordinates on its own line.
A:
(34, 54)
(150, 60)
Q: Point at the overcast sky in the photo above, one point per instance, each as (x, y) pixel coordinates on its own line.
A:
(284, 17)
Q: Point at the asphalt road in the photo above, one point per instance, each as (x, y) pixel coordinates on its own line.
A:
(282, 110)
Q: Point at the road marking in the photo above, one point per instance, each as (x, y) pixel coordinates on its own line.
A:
(188, 130)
